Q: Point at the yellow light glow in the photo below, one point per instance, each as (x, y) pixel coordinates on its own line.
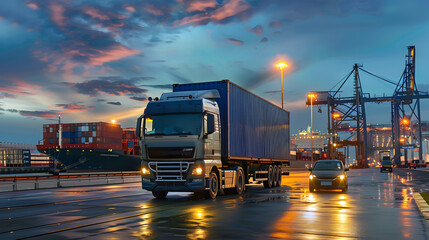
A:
(197, 171)
(113, 121)
(311, 95)
(335, 145)
(402, 140)
(342, 176)
(336, 115)
(281, 65)
(311, 176)
(145, 171)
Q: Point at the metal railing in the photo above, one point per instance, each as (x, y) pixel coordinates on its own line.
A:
(18, 182)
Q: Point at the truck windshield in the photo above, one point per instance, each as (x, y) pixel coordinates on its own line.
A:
(173, 124)
(384, 162)
(328, 165)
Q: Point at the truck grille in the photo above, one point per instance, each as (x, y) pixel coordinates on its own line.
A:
(171, 152)
(170, 171)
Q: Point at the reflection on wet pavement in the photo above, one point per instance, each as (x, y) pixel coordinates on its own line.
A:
(377, 206)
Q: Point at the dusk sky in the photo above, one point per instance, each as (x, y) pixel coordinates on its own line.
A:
(96, 61)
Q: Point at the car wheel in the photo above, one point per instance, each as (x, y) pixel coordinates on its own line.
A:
(159, 194)
(213, 186)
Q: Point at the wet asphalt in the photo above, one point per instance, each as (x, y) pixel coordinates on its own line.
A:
(377, 206)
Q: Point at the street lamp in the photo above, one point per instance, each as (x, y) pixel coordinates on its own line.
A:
(281, 65)
(311, 96)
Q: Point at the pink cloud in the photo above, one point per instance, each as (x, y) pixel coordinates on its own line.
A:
(152, 9)
(33, 6)
(235, 41)
(201, 5)
(73, 107)
(41, 114)
(229, 9)
(114, 54)
(16, 86)
(57, 14)
(130, 9)
(95, 13)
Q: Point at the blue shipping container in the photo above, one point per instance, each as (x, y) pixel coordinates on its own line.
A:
(255, 128)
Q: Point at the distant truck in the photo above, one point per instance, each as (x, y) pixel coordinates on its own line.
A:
(211, 136)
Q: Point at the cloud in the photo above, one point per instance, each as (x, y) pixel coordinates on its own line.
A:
(264, 39)
(33, 6)
(235, 41)
(130, 9)
(40, 114)
(110, 85)
(229, 9)
(274, 24)
(258, 30)
(73, 107)
(160, 86)
(12, 86)
(140, 99)
(200, 5)
(114, 103)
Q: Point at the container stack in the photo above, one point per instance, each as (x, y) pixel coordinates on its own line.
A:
(83, 135)
(130, 141)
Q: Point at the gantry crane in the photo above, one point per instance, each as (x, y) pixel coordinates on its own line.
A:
(405, 106)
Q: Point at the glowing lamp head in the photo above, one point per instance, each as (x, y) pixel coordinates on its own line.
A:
(281, 65)
(311, 95)
(336, 115)
(402, 140)
(342, 176)
(405, 121)
(335, 145)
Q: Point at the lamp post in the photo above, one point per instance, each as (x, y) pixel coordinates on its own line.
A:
(281, 65)
(311, 96)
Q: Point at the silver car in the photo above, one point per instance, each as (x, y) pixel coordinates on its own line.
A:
(328, 174)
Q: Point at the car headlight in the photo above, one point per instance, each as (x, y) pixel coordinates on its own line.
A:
(312, 176)
(342, 176)
(197, 171)
(145, 171)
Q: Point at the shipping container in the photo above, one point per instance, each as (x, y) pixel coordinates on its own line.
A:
(251, 127)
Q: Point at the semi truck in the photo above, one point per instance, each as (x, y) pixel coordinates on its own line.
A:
(211, 136)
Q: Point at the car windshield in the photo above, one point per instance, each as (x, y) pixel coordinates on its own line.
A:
(328, 165)
(173, 124)
(386, 163)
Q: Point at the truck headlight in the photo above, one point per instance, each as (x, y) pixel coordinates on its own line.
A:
(342, 176)
(145, 171)
(312, 176)
(197, 171)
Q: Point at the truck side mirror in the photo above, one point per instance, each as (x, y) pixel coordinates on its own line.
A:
(210, 124)
(139, 127)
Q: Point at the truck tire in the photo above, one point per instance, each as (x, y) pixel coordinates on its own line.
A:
(275, 172)
(269, 183)
(279, 177)
(213, 186)
(159, 194)
(240, 184)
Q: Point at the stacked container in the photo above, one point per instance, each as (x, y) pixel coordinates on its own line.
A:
(130, 141)
(83, 135)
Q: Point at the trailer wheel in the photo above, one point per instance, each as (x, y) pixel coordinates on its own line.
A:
(213, 186)
(269, 182)
(279, 177)
(275, 172)
(240, 186)
(159, 194)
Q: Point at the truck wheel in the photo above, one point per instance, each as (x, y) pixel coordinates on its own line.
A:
(275, 172)
(213, 186)
(279, 176)
(269, 182)
(159, 194)
(240, 187)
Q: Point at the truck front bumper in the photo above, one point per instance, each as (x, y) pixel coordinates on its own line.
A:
(190, 185)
